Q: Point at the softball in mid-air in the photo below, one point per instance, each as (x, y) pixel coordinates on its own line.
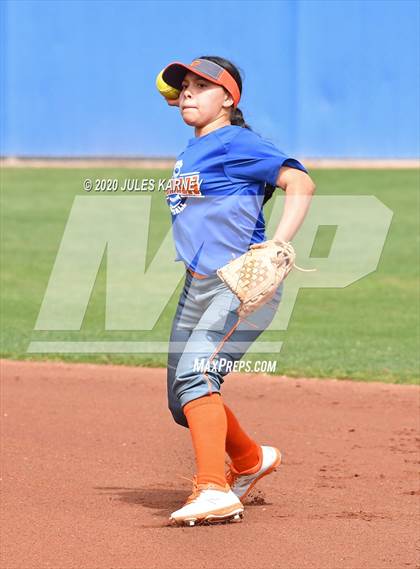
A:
(166, 90)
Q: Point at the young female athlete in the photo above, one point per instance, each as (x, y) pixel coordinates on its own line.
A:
(219, 184)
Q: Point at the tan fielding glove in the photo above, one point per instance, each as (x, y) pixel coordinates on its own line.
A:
(255, 276)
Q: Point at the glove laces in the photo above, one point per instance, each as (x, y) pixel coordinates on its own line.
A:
(289, 253)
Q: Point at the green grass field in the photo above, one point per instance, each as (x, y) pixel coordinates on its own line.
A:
(366, 331)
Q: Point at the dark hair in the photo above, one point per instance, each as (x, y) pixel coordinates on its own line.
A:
(236, 116)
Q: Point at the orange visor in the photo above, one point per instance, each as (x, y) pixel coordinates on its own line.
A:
(174, 74)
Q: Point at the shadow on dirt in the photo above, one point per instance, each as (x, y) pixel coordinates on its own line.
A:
(163, 499)
(160, 498)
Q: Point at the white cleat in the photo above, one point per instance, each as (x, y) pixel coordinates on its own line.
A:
(209, 504)
(209, 520)
(242, 483)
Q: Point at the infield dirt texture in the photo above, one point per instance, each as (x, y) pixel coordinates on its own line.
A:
(93, 466)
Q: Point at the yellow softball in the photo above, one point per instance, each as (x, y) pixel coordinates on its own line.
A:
(166, 90)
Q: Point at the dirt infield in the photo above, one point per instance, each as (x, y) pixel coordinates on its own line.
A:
(92, 467)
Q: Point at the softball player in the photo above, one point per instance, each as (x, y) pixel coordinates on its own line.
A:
(219, 184)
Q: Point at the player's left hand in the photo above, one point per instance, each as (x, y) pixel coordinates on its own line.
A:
(255, 276)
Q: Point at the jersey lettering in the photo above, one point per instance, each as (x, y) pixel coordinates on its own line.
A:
(182, 186)
(186, 185)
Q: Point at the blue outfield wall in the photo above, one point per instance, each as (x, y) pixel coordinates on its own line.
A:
(333, 78)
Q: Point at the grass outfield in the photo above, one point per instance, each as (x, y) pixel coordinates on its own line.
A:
(366, 331)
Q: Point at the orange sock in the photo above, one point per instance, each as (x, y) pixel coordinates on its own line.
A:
(244, 452)
(208, 425)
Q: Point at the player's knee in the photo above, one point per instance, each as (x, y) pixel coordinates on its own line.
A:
(190, 383)
(178, 414)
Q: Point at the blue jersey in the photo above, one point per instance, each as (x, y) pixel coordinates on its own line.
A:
(216, 195)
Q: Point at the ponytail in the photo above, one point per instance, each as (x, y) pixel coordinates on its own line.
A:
(237, 118)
